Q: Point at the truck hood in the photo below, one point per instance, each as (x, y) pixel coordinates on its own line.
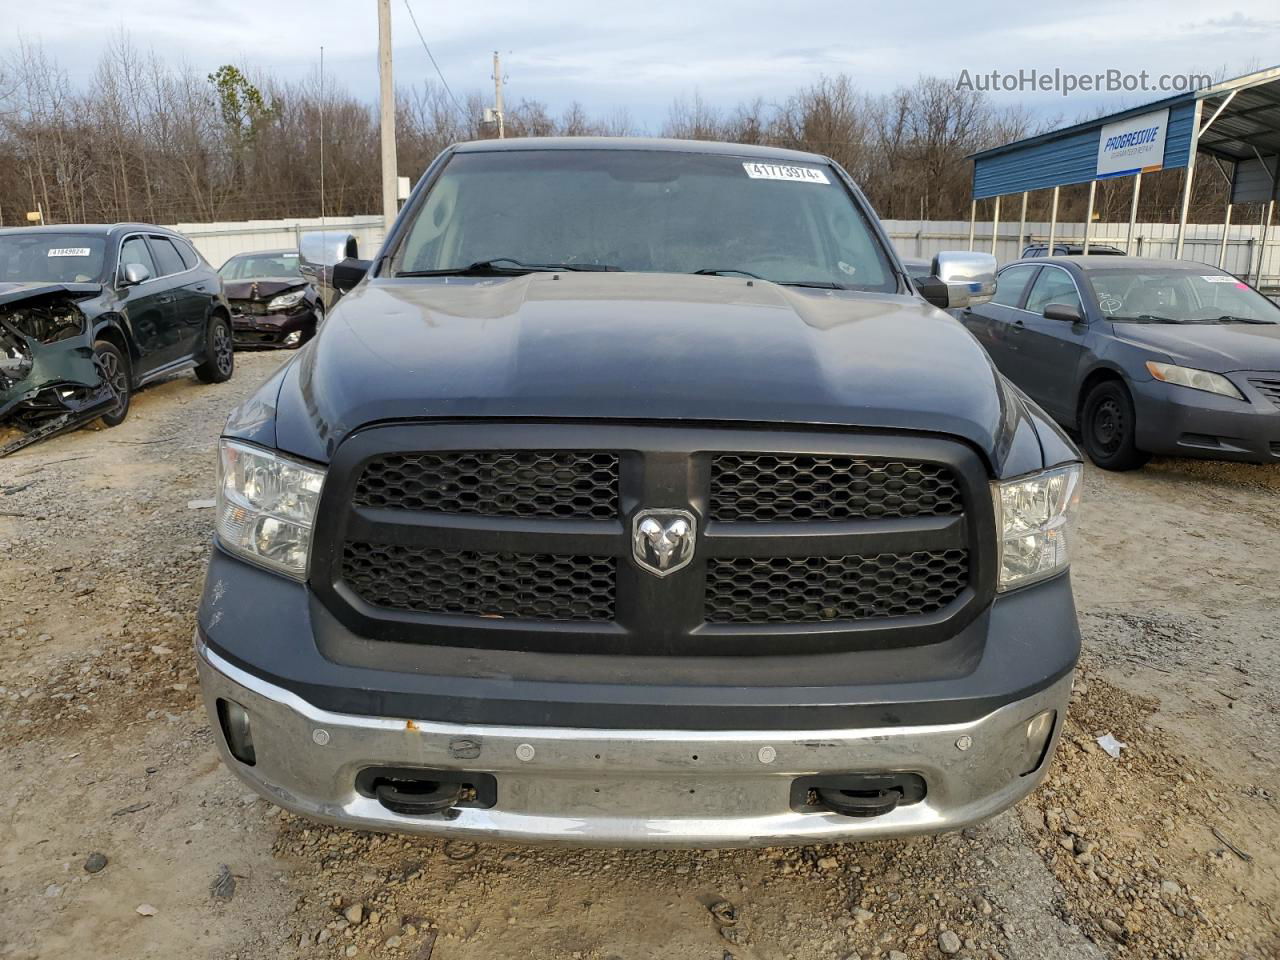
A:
(1218, 347)
(13, 291)
(640, 347)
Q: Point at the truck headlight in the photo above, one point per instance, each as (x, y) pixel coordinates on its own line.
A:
(1195, 379)
(1036, 518)
(265, 507)
(286, 300)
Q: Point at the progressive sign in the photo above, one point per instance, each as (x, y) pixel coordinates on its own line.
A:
(1134, 145)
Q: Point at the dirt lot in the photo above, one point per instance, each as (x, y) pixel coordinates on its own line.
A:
(1172, 850)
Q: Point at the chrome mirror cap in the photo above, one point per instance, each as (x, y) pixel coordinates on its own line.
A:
(136, 273)
(970, 278)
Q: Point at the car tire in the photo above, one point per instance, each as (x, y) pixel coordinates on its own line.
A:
(1108, 428)
(113, 367)
(219, 351)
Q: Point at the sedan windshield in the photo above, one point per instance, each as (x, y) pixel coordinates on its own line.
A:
(1179, 295)
(511, 212)
(259, 266)
(51, 257)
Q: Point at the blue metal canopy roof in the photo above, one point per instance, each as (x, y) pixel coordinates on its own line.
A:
(1246, 126)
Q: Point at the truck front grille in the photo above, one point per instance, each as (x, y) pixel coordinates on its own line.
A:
(519, 536)
(524, 483)
(481, 584)
(818, 589)
(766, 487)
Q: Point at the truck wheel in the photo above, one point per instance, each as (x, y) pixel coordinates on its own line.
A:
(220, 360)
(114, 369)
(1108, 427)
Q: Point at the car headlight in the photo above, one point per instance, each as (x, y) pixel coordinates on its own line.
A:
(1195, 379)
(287, 300)
(266, 504)
(1036, 517)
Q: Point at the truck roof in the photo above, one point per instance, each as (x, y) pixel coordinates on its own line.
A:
(665, 144)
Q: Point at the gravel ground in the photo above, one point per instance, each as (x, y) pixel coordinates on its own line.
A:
(123, 836)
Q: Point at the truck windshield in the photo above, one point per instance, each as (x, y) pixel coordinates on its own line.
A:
(51, 257)
(643, 210)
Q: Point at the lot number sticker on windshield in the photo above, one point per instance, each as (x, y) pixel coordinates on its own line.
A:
(1219, 278)
(775, 171)
(69, 252)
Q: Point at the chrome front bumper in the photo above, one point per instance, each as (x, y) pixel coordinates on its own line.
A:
(641, 788)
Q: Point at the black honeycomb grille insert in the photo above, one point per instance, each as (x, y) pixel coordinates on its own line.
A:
(818, 589)
(783, 487)
(481, 584)
(564, 484)
(1269, 389)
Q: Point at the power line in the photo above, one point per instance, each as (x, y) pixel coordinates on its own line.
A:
(432, 58)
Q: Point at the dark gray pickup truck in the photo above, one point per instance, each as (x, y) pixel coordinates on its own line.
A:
(634, 494)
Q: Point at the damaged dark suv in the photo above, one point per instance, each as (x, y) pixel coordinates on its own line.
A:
(88, 314)
(638, 495)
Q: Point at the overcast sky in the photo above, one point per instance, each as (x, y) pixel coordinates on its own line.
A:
(640, 56)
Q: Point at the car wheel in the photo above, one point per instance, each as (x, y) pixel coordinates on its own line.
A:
(114, 370)
(1108, 428)
(220, 355)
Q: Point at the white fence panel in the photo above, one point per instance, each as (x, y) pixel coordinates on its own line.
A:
(921, 239)
(218, 242)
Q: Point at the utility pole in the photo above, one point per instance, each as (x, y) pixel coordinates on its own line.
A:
(497, 95)
(388, 115)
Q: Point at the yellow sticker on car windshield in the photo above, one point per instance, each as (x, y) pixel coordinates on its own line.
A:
(778, 171)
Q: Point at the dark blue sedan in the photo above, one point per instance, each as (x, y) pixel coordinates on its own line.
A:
(1141, 357)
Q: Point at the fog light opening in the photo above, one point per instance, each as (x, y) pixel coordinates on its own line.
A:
(1039, 735)
(293, 339)
(237, 731)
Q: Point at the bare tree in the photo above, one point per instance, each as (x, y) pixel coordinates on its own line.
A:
(145, 139)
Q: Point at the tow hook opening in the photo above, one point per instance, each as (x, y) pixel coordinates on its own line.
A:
(860, 795)
(237, 731)
(419, 792)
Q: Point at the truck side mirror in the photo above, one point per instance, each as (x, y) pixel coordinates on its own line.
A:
(347, 273)
(960, 279)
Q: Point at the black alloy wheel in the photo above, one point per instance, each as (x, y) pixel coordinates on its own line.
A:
(220, 361)
(113, 368)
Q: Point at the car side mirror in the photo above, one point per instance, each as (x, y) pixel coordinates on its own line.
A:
(1063, 312)
(135, 273)
(960, 279)
(345, 274)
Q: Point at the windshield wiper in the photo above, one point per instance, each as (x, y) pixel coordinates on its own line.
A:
(1228, 318)
(734, 271)
(503, 266)
(1145, 318)
(726, 271)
